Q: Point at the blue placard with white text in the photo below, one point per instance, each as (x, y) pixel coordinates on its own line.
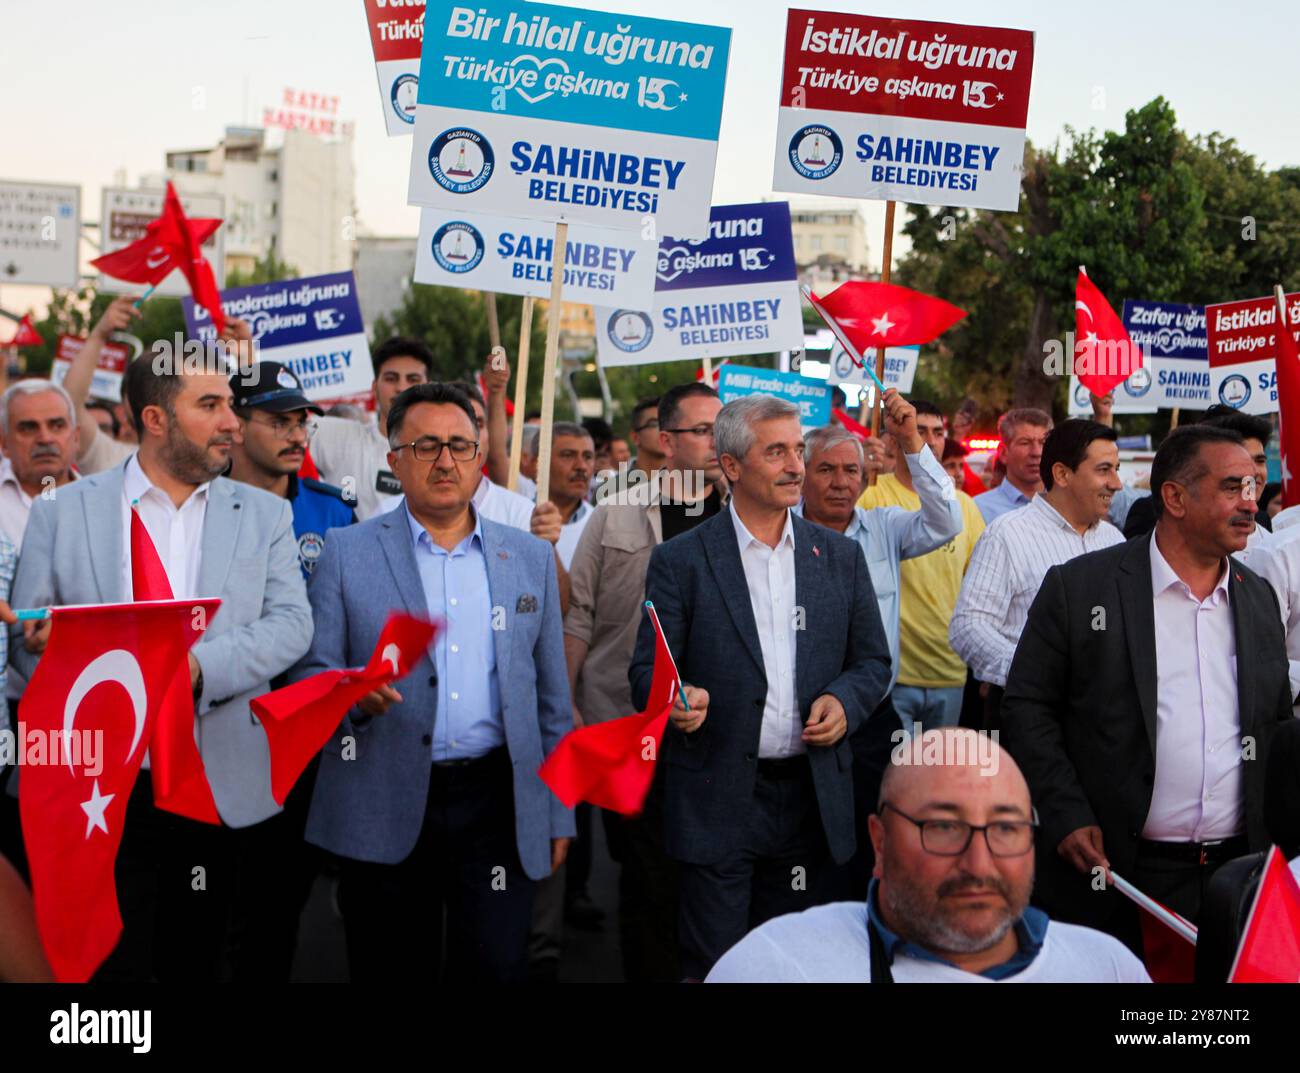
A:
(733, 293)
(812, 398)
(572, 114)
(313, 325)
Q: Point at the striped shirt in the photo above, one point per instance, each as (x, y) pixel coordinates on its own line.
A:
(1005, 572)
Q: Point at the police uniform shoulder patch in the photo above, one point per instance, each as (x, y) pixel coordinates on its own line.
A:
(329, 490)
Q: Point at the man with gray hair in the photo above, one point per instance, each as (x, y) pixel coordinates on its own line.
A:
(776, 633)
(38, 431)
(1023, 432)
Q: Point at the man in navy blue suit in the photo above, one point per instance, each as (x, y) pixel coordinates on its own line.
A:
(775, 629)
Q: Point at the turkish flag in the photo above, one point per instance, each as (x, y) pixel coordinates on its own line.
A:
(300, 718)
(308, 467)
(1104, 355)
(1168, 940)
(172, 241)
(26, 335)
(860, 431)
(1288, 401)
(871, 315)
(180, 784)
(95, 698)
(1270, 946)
(613, 764)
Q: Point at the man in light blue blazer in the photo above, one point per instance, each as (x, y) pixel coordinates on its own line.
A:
(215, 537)
(429, 789)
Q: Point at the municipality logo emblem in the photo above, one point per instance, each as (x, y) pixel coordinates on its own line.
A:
(461, 160)
(1139, 382)
(1082, 396)
(405, 89)
(816, 151)
(457, 247)
(1234, 391)
(310, 548)
(630, 331)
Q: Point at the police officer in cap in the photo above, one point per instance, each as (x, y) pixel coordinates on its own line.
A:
(275, 429)
(278, 866)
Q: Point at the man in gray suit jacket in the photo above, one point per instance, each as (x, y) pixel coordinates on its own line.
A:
(429, 789)
(215, 537)
(776, 632)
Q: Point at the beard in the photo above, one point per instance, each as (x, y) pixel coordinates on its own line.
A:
(189, 462)
(920, 917)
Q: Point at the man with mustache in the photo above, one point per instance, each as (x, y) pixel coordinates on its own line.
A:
(775, 630)
(38, 432)
(215, 538)
(949, 903)
(1144, 694)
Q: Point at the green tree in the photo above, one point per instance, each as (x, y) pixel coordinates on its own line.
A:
(268, 269)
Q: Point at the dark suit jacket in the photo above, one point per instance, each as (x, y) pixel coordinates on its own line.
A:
(1079, 714)
(697, 584)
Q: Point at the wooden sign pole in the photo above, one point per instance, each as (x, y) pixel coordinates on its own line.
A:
(494, 325)
(550, 362)
(521, 389)
(887, 257)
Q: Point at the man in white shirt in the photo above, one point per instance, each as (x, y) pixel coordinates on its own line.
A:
(1080, 470)
(954, 841)
(1145, 692)
(573, 463)
(38, 432)
(775, 630)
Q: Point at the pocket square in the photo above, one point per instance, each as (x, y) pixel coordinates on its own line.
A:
(526, 604)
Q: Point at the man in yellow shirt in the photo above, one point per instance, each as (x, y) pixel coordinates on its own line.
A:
(931, 677)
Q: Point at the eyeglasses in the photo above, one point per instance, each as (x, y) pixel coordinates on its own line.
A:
(951, 838)
(652, 423)
(695, 430)
(430, 448)
(283, 428)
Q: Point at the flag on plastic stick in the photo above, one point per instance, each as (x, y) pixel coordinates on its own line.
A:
(180, 783)
(612, 764)
(26, 334)
(104, 676)
(1288, 401)
(1270, 944)
(300, 718)
(866, 316)
(1168, 940)
(170, 242)
(1104, 355)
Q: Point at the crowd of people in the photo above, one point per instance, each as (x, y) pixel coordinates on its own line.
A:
(923, 708)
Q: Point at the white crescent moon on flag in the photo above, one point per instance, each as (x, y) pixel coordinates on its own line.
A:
(391, 654)
(1081, 305)
(118, 666)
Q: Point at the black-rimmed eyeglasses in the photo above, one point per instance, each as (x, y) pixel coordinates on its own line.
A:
(951, 838)
(430, 448)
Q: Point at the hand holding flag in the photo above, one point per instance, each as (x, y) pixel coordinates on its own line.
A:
(300, 718)
(612, 764)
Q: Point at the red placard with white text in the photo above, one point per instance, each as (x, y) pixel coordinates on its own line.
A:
(1242, 342)
(397, 36)
(107, 380)
(902, 110)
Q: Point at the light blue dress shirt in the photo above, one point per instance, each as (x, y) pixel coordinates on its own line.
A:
(1001, 500)
(468, 720)
(888, 535)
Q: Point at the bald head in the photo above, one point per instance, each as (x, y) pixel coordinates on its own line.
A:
(952, 764)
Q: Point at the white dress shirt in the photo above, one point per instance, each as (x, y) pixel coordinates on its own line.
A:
(571, 532)
(15, 505)
(769, 575)
(1006, 570)
(1197, 796)
(177, 533)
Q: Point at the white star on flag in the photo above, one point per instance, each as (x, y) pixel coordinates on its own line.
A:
(882, 325)
(94, 809)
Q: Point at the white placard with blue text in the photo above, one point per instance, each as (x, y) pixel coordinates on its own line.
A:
(735, 292)
(513, 256)
(560, 113)
(312, 325)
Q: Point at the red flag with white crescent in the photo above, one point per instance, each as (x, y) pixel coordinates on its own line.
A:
(1104, 355)
(92, 704)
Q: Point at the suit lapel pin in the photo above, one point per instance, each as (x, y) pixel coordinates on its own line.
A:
(816, 550)
(503, 555)
(1237, 576)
